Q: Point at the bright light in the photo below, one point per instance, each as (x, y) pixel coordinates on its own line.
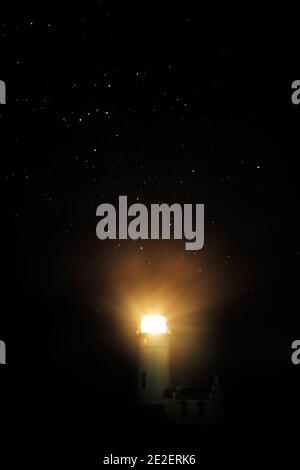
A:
(154, 324)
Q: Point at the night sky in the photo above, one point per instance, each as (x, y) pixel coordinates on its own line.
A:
(103, 103)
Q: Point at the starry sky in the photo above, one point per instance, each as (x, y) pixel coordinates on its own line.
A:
(102, 103)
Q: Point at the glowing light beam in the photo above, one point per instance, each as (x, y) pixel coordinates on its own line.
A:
(154, 324)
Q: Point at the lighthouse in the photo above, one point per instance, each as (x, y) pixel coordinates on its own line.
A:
(153, 359)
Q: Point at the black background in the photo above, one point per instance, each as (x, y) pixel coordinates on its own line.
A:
(101, 103)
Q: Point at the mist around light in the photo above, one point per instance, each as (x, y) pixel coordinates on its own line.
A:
(130, 280)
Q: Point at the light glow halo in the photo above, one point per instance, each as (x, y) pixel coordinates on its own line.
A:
(154, 324)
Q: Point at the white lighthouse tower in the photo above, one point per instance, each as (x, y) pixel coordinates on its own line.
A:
(154, 359)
